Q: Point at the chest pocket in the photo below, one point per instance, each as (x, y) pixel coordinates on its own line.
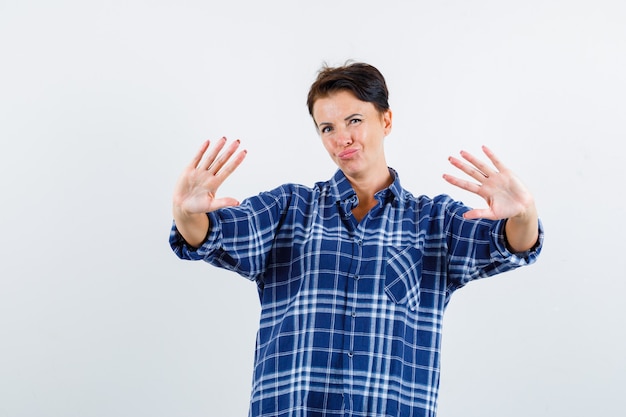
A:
(403, 276)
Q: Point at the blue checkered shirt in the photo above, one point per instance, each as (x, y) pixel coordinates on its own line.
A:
(351, 312)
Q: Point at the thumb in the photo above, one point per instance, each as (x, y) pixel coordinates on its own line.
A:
(223, 202)
(477, 214)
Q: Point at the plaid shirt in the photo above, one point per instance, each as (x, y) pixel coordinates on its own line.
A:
(352, 311)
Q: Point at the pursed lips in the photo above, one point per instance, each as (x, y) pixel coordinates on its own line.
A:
(347, 153)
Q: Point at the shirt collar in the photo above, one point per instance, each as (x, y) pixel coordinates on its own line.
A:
(396, 188)
(343, 191)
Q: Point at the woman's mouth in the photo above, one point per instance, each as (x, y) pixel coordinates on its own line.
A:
(348, 153)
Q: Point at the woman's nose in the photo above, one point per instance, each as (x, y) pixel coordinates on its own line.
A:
(343, 137)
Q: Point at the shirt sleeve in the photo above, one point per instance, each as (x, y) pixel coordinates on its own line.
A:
(239, 238)
(478, 249)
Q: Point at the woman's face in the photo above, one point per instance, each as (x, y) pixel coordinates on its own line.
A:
(353, 133)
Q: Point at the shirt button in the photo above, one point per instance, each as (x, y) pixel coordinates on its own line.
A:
(350, 354)
(354, 314)
(356, 277)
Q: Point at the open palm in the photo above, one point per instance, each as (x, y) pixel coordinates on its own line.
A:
(196, 188)
(504, 193)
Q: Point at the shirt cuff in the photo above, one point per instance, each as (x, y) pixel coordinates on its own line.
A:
(522, 258)
(211, 242)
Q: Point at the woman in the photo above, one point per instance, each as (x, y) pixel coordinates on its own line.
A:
(353, 274)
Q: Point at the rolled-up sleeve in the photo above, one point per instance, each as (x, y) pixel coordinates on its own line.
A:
(520, 258)
(240, 237)
(187, 252)
(478, 248)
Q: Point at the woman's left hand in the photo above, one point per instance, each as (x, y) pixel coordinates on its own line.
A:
(504, 193)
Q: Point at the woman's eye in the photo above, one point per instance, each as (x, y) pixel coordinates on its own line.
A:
(326, 129)
(354, 121)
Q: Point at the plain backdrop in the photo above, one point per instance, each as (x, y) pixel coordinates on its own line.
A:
(102, 103)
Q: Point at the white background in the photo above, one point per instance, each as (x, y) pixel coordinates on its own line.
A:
(103, 103)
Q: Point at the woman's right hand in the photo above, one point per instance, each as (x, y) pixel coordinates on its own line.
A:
(196, 188)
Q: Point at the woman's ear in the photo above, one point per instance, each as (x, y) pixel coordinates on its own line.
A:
(387, 121)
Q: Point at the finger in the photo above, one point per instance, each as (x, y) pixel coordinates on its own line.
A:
(223, 157)
(214, 151)
(232, 165)
(478, 214)
(479, 166)
(472, 171)
(494, 159)
(220, 203)
(198, 157)
(222, 175)
(463, 184)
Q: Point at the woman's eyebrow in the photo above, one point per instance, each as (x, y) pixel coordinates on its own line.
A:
(353, 115)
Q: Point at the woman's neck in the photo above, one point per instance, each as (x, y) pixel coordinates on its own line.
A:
(366, 189)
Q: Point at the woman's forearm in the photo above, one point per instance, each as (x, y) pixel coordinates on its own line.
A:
(192, 227)
(522, 231)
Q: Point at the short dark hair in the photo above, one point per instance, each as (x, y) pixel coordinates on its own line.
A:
(363, 80)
